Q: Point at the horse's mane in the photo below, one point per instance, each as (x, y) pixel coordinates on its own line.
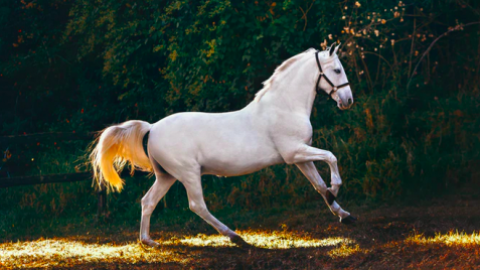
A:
(267, 85)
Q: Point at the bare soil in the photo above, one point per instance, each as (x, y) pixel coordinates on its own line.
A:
(438, 234)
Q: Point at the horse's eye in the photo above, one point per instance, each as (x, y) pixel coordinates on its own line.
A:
(337, 70)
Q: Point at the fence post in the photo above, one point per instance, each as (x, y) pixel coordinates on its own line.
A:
(102, 208)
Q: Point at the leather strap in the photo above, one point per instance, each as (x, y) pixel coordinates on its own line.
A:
(317, 87)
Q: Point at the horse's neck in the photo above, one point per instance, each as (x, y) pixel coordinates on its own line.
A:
(293, 94)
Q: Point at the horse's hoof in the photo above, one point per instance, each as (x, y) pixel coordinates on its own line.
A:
(348, 220)
(237, 240)
(150, 243)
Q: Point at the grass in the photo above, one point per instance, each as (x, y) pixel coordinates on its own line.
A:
(440, 233)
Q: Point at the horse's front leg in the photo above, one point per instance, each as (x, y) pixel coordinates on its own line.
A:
(308, 153)
(304, 161)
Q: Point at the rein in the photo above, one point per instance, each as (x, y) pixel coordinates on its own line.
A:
(334, 88)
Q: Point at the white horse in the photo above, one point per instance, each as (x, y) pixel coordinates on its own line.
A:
(274, 128)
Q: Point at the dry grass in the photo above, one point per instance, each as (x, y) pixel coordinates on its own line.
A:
(435, 235)
(68, 252)
(278, 249)
(450, 239)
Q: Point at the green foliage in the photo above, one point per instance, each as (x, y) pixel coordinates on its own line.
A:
(83, 65)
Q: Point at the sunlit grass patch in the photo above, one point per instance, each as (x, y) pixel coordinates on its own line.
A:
(264, 239)
(345, 250)
(451, 238)
(64, 252)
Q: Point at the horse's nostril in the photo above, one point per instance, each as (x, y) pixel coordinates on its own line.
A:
(350, 101)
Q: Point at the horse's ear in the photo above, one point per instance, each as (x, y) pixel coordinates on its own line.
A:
(332, 48)
(336, 48)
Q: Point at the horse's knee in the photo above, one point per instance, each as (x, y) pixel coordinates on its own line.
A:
(331, 157)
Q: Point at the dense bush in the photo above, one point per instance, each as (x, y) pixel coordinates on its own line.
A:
(82, 65)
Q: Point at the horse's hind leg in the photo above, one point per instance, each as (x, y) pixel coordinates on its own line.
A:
(192, 183)
(162, 184)
(310, 171)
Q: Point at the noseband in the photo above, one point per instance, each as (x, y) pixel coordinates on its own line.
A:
(334, 88)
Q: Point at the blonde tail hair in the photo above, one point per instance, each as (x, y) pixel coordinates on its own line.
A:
(115, 147)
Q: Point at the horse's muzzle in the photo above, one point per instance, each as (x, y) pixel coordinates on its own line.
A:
(345, 99)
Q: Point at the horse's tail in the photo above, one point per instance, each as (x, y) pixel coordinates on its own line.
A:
(115, 147)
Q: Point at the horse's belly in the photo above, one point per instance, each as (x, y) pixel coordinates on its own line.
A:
(239, 165)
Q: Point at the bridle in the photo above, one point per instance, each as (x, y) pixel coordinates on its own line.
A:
(317, 87)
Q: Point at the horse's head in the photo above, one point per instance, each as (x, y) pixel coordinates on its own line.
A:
(332, 78)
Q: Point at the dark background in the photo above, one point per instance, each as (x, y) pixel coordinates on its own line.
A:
(83, 65)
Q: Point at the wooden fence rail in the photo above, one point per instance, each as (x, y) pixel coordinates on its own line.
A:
(52, 136)
(53, 178)
(43, 179)
(102, 210)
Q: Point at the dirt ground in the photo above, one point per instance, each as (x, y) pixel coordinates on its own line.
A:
(438, 234)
